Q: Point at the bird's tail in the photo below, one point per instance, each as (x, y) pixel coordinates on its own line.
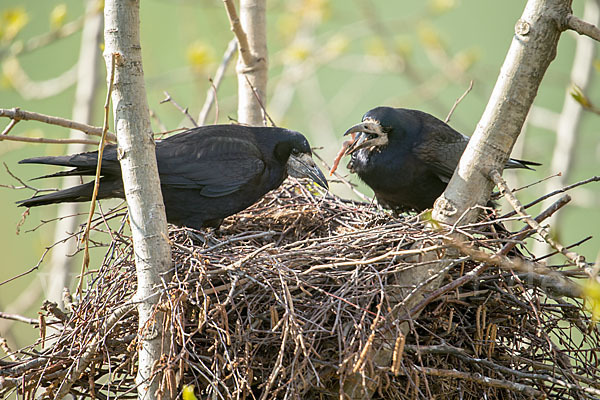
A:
(514, 163)
(74, 194)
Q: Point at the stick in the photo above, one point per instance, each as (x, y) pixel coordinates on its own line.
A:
(458, 101)
(86, 233)
(577, 259)
(185, 112)
(211, 93)
(238, 31)
(45, 140)
(18, 115)
(583, 28)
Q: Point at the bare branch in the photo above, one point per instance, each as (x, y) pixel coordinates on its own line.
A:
(238, 31)
(577, 259)
(184, 111)
(211, 93)
(86, 233)
(18, 115)
(457, 102)
(583, 28)
(46, 140)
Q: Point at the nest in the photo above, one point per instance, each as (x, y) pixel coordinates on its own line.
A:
(302, 296)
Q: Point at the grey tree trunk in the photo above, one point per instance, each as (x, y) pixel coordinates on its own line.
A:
(141, 184)
(61, 268)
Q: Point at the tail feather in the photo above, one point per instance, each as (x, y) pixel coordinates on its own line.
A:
(108, 189)
(514, 163)
(74, 194)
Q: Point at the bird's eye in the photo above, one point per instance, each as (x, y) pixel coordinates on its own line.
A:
(295, 151)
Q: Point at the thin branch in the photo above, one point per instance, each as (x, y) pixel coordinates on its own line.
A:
(577, 259)
(18, 115)
(19, 318)
(481, 380)
(211, 93)
(86, 234)
(11, 125)
(184, 111)
(563, 190)
(457, 102)
(238, 31)
(260, 103)
(583, 28)
(46, 140)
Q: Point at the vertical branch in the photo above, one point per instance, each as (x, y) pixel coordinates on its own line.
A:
(251, 33)
(142, 187)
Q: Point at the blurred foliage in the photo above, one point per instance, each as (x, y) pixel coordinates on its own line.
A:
(591, 291)
(330, 61)
(13, 20)
(58, 16)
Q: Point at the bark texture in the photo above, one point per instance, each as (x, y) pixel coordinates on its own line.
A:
(141, 184)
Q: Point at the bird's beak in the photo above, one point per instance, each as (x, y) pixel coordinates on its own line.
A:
(371, 134)
(303, 166)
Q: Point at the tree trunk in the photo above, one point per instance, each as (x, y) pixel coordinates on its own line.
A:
(252, 71)
(61, 264)
(142, 186)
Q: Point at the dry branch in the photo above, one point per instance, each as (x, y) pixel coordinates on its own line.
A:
(583, 28)
(17, 114)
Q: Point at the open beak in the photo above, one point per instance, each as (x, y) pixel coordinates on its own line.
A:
(370, 135)
(303, 166)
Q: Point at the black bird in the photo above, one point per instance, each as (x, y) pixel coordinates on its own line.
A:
(206, 173)
(407, 156)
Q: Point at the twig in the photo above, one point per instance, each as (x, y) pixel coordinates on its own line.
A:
(542, 273)
(211, 93)
(25, 186)
(257, 97)
(457, 102)
(86, 233)
(362, 196)
(185, 112)
(18, 114)
(563, 190)
(45, 140)
(238, 31)
(583, 28)
(577, 259)
(482, 380)
(11, 125)
(19, 318)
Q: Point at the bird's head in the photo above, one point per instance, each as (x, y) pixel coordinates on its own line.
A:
(373, 131)
(300, 163)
